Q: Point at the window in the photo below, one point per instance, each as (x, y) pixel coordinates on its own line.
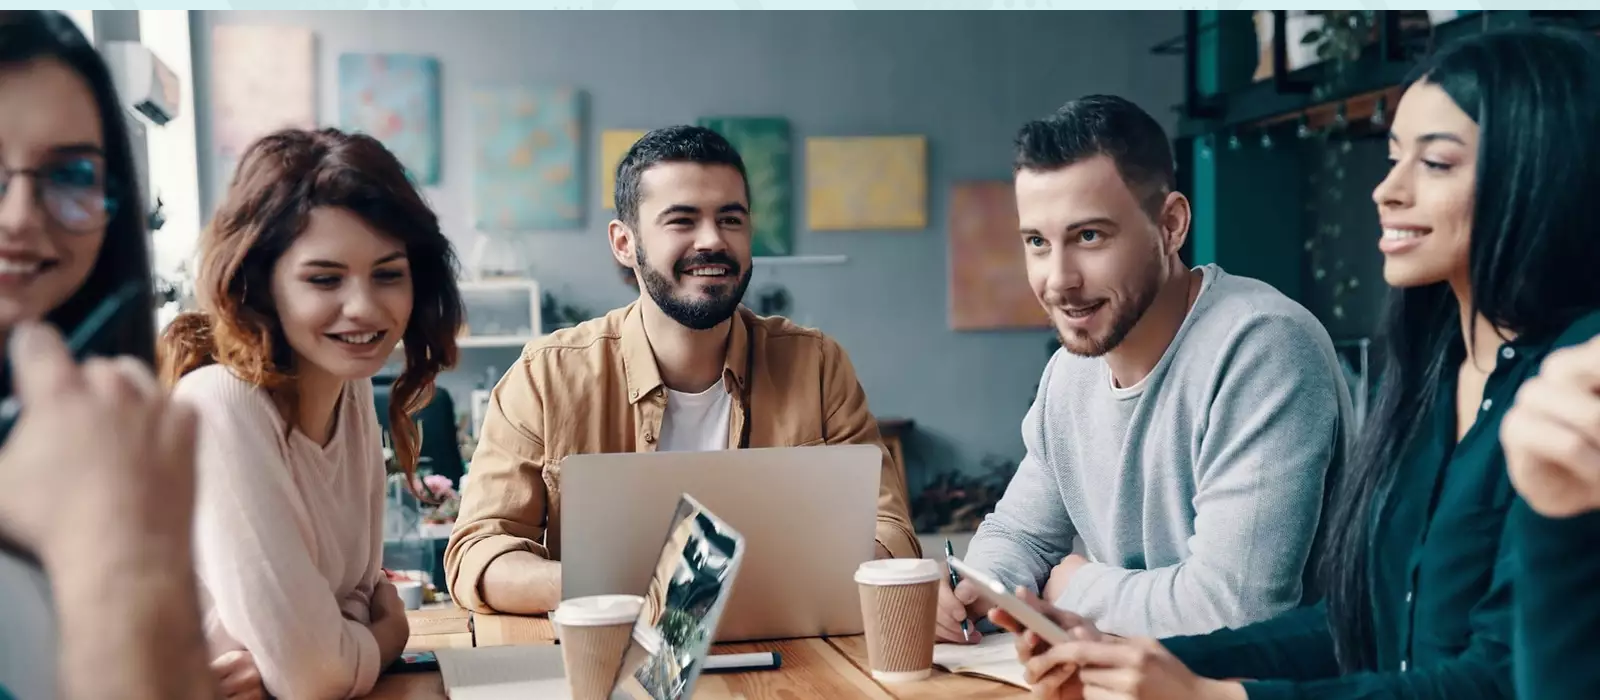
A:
(85, 21)
(173, 169)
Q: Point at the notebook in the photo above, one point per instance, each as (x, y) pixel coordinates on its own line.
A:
(993, 657)
(504, 673)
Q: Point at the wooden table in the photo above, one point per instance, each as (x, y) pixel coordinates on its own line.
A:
(941, 685)
(439, 626)
(834, 667)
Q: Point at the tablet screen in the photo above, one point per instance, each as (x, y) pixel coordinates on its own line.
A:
(684, 601)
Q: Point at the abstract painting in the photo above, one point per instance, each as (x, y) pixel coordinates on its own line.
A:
(262, 79)
(614, 144)
(763, 144)
(988, 276)
(394, 98)
(867, 182)
(525, 158)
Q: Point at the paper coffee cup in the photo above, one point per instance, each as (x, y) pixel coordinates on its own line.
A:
(594, 632)
(899, 599)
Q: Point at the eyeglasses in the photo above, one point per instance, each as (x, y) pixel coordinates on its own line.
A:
(75, 192)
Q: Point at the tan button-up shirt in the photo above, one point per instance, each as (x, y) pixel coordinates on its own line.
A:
(595, 388)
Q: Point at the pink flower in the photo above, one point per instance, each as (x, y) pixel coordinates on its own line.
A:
(439, 485)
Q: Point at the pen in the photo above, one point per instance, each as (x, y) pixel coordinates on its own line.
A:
(83, 340)
(950, 551)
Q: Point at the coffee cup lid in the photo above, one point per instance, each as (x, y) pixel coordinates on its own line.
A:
(897, 572)
(598, 610)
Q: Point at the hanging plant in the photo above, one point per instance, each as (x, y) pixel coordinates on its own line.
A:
(1339, 42)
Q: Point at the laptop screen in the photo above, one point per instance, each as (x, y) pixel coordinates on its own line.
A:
(688, 590)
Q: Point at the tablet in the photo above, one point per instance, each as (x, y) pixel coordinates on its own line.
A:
(683, 605)
(995, 592)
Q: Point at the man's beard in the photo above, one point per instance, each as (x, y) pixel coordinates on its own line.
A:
(697, 314)
(1127, 316)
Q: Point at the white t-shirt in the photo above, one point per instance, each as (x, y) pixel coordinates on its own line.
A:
(696, 422)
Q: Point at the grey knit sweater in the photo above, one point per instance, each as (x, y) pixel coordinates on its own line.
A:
(1196, 492)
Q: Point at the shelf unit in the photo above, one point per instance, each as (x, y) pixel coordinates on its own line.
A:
(501, 342)
(470, 343)
(1382, 67)
(788, 260)
(1248, 203)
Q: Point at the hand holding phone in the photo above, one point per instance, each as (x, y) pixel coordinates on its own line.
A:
(1028, 615)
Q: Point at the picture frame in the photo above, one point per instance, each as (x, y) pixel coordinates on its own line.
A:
(500, 312)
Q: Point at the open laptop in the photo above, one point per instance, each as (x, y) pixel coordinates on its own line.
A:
(808, 514)
(688, 591)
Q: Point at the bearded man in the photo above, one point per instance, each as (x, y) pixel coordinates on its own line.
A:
(685, 367)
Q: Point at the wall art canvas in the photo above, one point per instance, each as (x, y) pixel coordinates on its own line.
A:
(614, 144)
(525, 161)
(262, 79)
(394, 98)
(988, 276)
(763, 143)
(866, 182)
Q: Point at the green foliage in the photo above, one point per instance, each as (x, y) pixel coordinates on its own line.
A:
(1339, 43)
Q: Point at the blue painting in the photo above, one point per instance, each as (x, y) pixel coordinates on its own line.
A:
(394, 98)
(525, 158)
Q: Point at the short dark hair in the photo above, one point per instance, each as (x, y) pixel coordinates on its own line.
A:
(1103, 125)
(672, 144)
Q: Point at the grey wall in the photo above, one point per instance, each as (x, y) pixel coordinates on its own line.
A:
(965, 79)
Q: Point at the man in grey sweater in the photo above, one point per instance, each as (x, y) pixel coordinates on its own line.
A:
(1185, 429)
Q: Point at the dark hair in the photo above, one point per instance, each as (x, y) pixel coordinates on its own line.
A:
(28, 36)
(672, 144)
(1535, 95)
(1103, 125)
(280, 180)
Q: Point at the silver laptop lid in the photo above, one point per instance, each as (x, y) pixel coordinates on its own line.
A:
(808, 516)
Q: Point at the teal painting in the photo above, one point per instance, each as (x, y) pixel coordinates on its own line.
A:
(525, 161)
(394, 98)
(763, 144)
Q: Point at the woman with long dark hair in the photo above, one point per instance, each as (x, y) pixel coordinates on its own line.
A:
(321, 260)
(94, 531)
(1489, 237)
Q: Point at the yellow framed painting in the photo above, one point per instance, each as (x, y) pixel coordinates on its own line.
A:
(614, 144)
(856, 183)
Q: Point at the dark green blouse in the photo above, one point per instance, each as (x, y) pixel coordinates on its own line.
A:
(1557, 638)
(1442, 565)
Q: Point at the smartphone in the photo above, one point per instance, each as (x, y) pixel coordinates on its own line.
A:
(995, 592)
(415, 662)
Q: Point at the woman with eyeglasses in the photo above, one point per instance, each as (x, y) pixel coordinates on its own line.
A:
(95, 558)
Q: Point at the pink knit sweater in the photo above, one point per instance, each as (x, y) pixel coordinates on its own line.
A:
(288, 536)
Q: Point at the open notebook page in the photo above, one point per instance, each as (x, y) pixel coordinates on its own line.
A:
(995, 656)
